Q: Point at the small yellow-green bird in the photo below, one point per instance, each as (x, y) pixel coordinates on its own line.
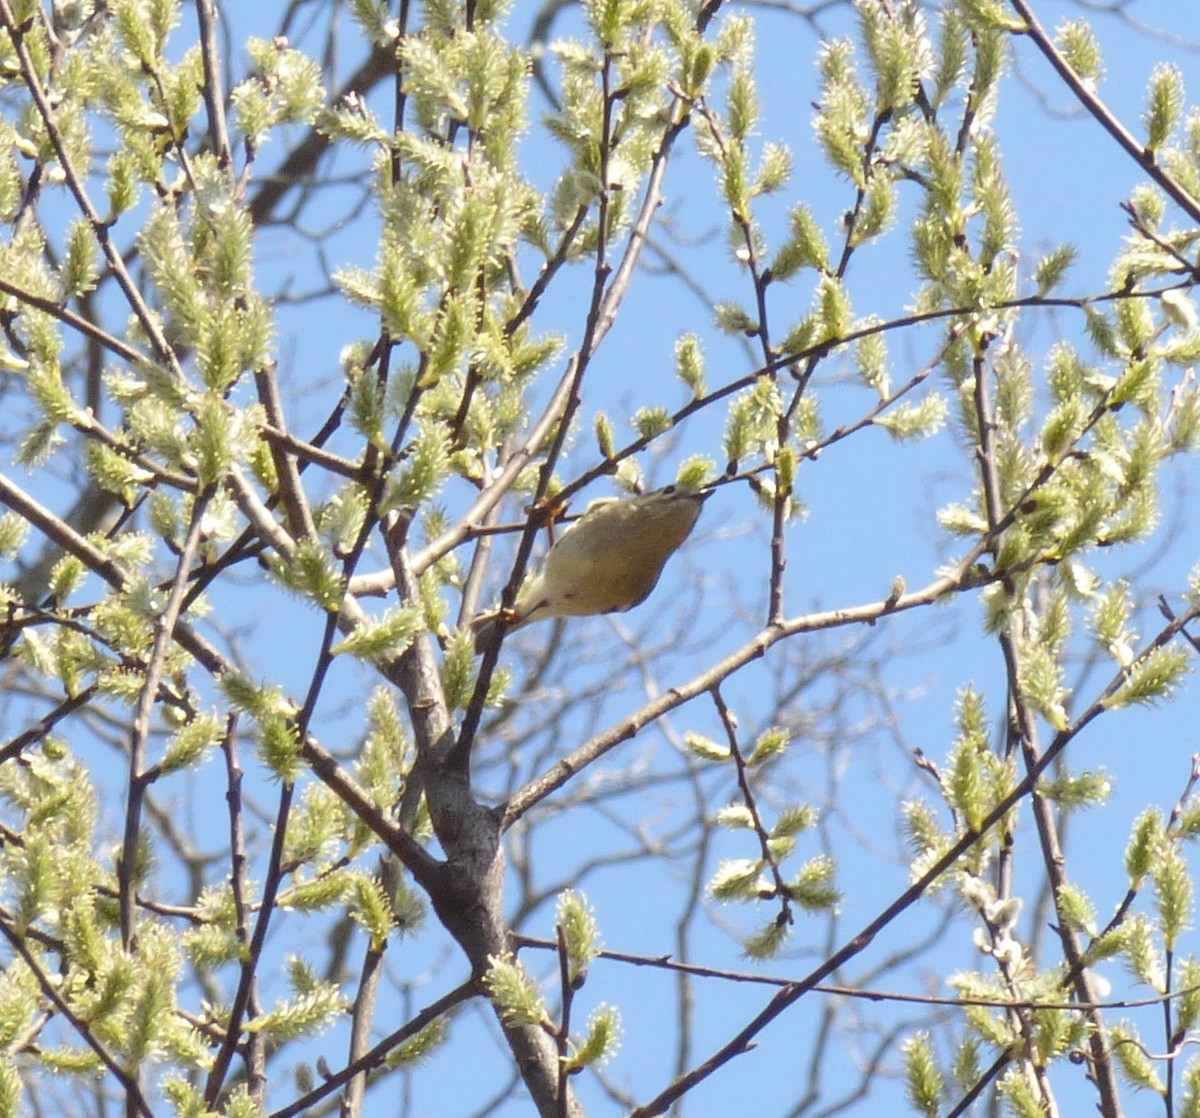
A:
(608, 561)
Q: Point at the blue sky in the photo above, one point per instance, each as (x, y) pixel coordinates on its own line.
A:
(871, 516)
(872, 508)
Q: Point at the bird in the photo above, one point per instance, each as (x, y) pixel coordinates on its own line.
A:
(608, 561)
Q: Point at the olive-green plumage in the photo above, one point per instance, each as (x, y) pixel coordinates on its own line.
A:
(608, 561)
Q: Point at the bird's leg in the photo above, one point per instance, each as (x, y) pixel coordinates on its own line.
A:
(551, 512)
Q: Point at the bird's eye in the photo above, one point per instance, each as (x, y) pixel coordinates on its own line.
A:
(668, 491)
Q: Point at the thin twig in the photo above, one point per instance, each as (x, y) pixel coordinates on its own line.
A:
(1141, 155)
